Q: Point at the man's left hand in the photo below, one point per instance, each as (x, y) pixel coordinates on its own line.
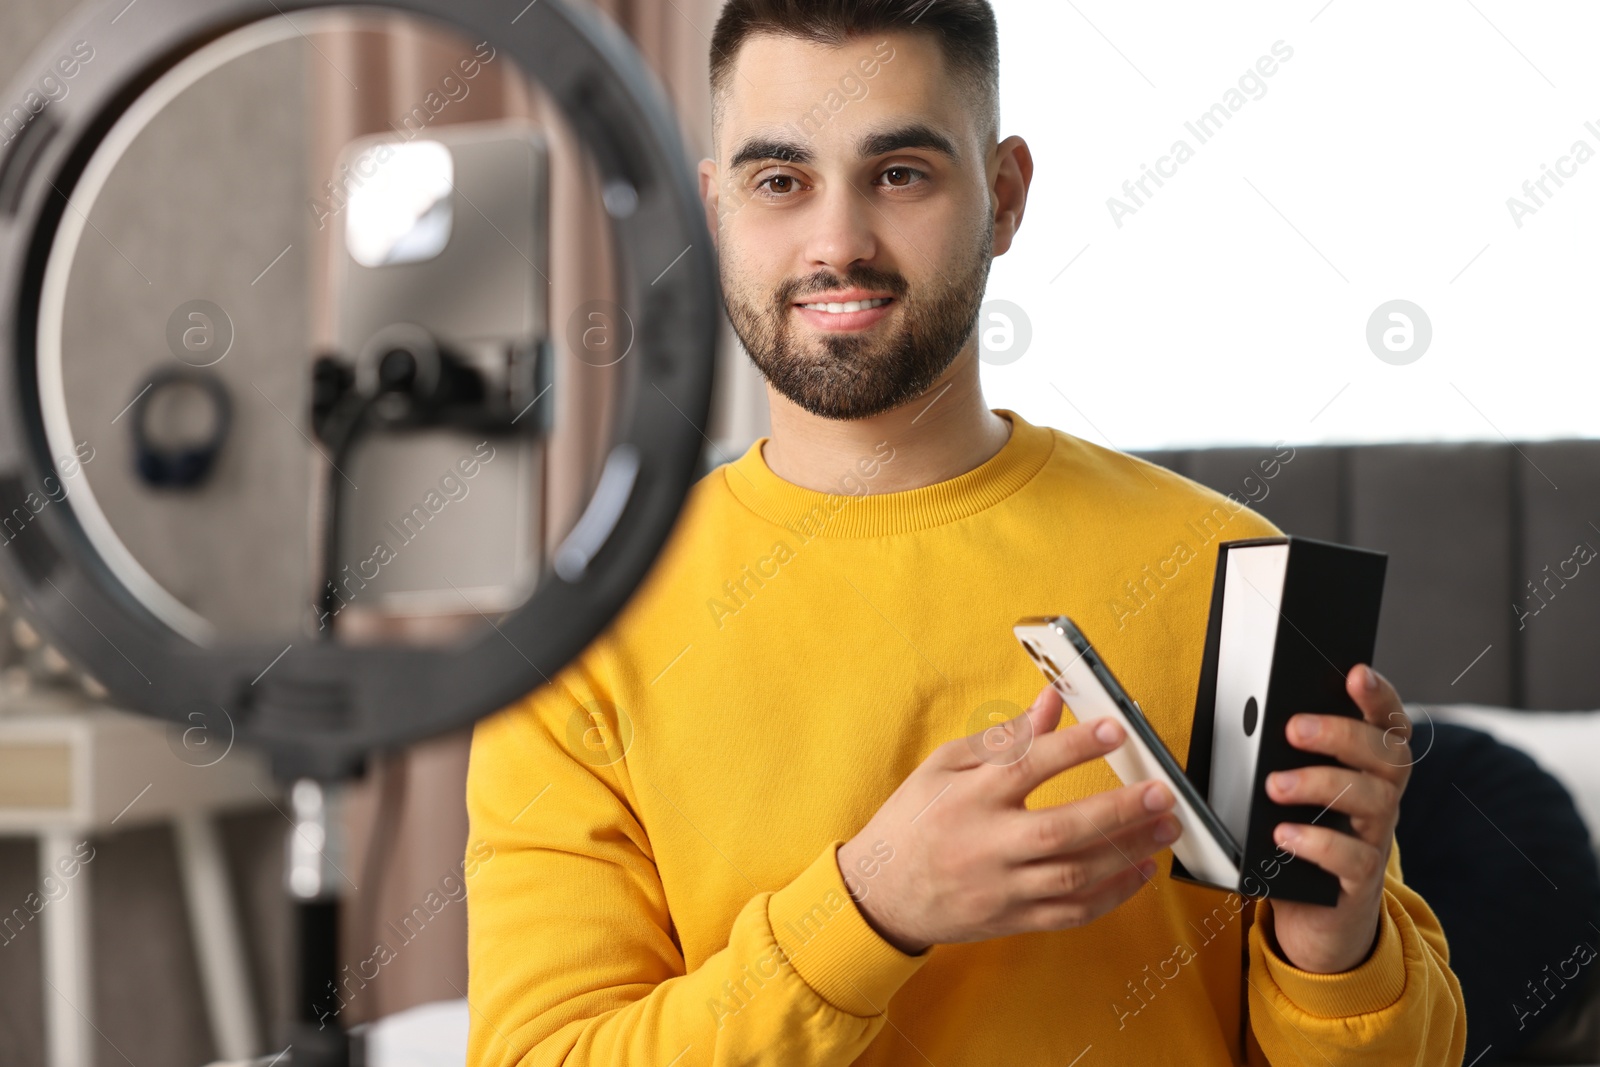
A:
(1377, 759)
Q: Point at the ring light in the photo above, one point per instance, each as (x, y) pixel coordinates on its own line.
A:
(321, 709)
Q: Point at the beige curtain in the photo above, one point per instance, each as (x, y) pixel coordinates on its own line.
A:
(395, 69)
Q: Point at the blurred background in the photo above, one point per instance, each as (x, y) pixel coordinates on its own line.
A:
(1230, 303)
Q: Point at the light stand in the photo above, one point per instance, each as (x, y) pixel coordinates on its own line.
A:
(313, 883)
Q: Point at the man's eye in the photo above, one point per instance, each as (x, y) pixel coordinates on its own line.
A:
(779, 184)
(902, 177)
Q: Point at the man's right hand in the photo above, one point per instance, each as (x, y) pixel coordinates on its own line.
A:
(971, 862)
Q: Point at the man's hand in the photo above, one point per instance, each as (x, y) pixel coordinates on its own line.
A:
(1377, 757)
(971, 862)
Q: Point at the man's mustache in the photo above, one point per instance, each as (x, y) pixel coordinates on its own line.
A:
(791, 291)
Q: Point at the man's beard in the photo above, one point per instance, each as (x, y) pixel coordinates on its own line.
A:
(856, 377)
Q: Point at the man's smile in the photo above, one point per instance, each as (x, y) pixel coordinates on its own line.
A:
(848, 310)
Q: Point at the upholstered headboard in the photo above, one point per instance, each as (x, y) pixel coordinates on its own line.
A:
(1493, 591)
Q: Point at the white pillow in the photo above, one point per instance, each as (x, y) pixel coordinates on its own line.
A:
(1564, 743)
(431, 1035)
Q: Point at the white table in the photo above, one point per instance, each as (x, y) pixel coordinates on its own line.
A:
(69, 768)
(430, 1035)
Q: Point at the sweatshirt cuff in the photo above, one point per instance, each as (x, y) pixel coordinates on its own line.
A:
(819, 929)
(1372, 986)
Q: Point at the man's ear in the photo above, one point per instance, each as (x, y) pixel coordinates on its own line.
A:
(710, 195)
(1013, 175)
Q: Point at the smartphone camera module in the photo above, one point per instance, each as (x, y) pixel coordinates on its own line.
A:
(1051, 668)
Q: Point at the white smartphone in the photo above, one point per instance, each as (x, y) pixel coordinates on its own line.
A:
(1090, 691)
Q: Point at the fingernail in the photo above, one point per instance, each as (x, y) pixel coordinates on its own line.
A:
(1284, 781)
(1287, 834)
(1157, 798)
(1369, 679)
(1148, 868)
(1108, 731)
(1307, 726)
(1166, 831)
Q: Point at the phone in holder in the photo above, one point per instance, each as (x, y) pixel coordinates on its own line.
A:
(1090, 691)
(450, 232)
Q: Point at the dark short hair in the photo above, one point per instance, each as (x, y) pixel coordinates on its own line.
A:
(966, 31)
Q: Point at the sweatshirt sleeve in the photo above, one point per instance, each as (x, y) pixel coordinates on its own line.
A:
(573, 956)
(1403, 1005)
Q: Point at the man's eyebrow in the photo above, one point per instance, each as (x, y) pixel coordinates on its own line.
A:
(901, 138)
(759, 149)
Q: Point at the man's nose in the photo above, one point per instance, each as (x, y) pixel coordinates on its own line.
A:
(842, 230)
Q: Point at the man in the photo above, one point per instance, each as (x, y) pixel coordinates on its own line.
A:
(767, 817)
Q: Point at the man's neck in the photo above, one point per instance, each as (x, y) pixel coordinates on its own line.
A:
(945, 433)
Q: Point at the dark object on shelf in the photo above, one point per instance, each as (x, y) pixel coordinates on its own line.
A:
(185, 466)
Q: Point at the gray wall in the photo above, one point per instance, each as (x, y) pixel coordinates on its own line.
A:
(206, 198)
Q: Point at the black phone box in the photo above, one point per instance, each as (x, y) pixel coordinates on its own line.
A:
(1290, 616)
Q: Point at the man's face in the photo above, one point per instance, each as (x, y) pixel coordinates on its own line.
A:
(851, 203)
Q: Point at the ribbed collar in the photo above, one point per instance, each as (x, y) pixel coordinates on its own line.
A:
(842, 515)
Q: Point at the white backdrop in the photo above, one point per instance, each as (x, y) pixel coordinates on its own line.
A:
(1374, 164)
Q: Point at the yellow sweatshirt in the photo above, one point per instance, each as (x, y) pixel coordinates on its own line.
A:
(653, 832)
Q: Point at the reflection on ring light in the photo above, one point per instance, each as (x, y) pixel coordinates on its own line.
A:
(402, 212)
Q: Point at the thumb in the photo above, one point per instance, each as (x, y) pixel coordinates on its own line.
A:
(1045, 712)
(1019, 732)
(1002, 742)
